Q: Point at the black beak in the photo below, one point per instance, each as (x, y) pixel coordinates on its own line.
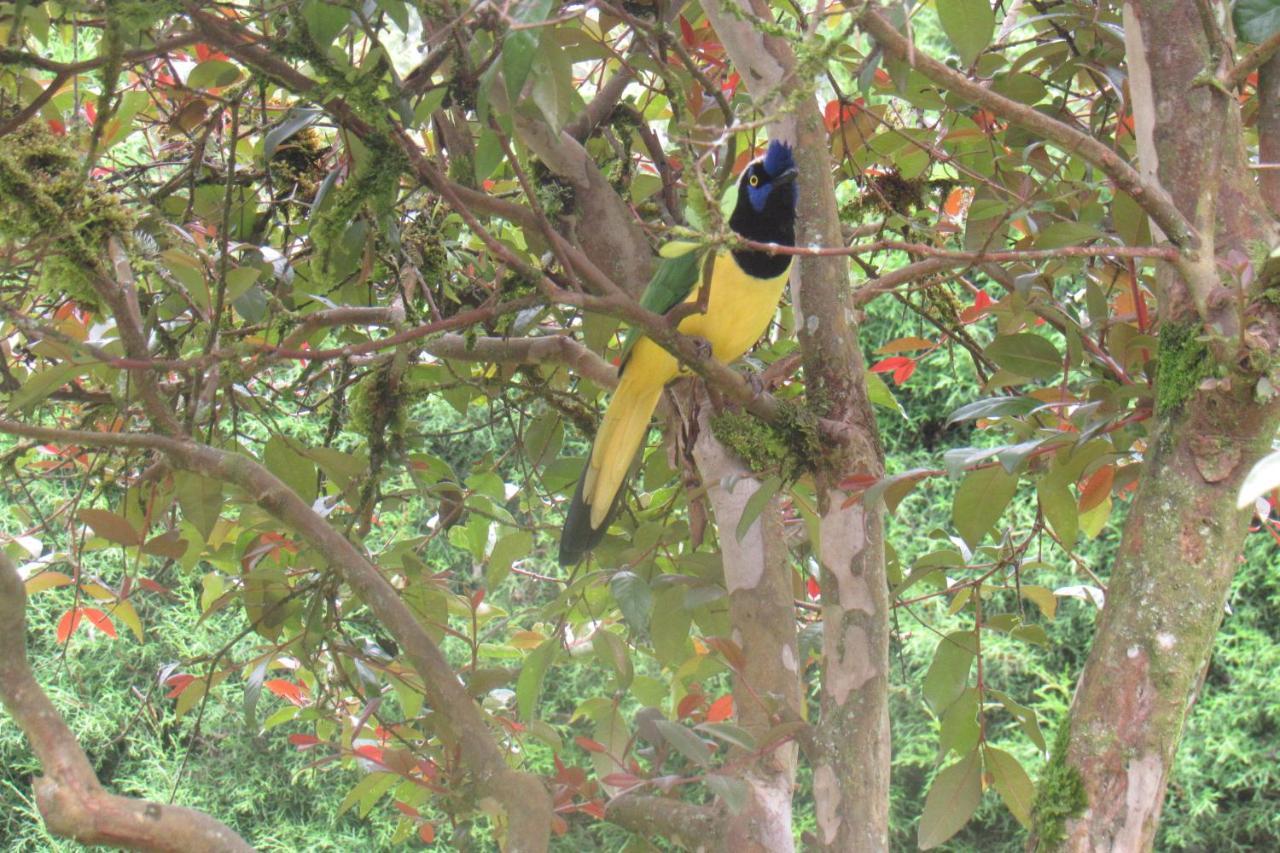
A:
(786, 177)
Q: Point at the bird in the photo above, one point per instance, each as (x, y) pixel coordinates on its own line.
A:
(740, 289)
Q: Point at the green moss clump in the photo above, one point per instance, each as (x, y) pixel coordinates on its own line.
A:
(1060, 795)
(1183, 361)
(44, 196)
(374, 184)
(789, 447)
(376, 408)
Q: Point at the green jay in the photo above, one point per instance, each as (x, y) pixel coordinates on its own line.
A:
(743, 288)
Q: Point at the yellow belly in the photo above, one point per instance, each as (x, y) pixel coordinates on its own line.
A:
(739, 311)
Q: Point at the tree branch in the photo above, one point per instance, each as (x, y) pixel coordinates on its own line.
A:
(1150, 196)
(697, 827)
(70, 797)
(461, 721)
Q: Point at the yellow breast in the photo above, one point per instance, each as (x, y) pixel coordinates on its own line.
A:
(739, 310)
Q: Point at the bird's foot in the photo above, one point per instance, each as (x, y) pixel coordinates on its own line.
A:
(701, 346)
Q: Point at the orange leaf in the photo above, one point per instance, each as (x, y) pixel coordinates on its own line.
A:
(67, 624)
(721, 709)
(99, 620)
(305, 742)
(905, 345)
(1097, 487)
(427, 832)
(286, 690)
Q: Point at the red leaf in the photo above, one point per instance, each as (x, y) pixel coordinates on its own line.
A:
(67, 624)
(588, 744)
(100, 620)
(370, 752)
(405, 808)
(427, 832)
(476, 598)
(620, 780)
(179, 683)
(286, 690)
(71, 620)
(305, 741)
(812, 588)
(721, 709)
(899, 365)
(981, 302)
(57, 127)
(689, 704)
(90, 111)
(592, 808)
(686, 31)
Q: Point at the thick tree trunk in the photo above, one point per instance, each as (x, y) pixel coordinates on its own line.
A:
(767, 689)
(1181, 542)
(1164, 604)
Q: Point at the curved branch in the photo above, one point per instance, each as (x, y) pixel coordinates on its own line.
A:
(522, 796)
(70, 797)
(1151, 197)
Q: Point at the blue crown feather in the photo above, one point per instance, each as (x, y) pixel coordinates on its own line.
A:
(778, 158)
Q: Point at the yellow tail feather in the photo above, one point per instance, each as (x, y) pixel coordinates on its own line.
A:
(625, 423)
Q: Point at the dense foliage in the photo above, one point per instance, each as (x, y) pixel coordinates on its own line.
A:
(376, 257)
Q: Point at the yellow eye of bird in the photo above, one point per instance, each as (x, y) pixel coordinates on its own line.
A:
(754, 181)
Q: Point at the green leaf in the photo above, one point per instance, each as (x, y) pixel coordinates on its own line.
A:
(529, 684)
(731, 789)
(1011, 782)
(953, 798)
(506, 551)
(521, 45)
(959, 729)
(1262, 478)
(993, 407)
(756, 504)
(40, 385)
(213, 74)
(730, 734)
(324, 20)
(1061, 234)
(1059, 507)
(980, 501)
(969, 24)
(634, 598)
(295, 470)
(1026, 355)
(200, 499)
(1256, 20)
(611, 650)
(669, 625)
(948, 674)
(685, 742)
(488, 154)
(879, 394)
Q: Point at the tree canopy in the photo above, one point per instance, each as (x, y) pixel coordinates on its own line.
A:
(315, 305)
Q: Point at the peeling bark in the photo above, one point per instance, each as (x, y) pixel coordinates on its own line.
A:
(767, 691)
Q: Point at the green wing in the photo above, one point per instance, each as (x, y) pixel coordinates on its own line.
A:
(671, 284)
